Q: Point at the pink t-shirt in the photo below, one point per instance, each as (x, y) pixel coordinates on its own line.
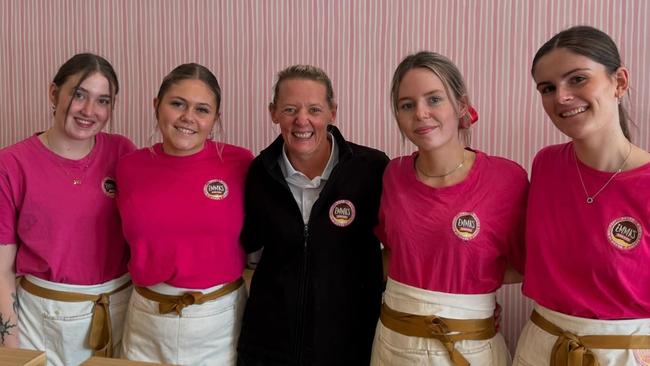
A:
(65, 233)
(182, 215)
(456, 239)
(588, 260)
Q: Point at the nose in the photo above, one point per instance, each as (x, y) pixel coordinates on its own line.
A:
(421, 111)
(563, 95)
(87, 108)
(186, 116)
(302, 117)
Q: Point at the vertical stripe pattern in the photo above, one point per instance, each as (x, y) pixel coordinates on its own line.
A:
(358, 42)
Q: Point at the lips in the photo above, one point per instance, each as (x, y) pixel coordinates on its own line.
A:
(424, 130)
(85, 123)
(573, 112)
(184, 130)
(302, 135)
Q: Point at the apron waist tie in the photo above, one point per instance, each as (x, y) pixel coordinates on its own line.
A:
(171, 303)
(445, 330)
(100, 339)
(572, 350)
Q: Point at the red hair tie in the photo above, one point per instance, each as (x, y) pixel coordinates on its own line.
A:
(473, 116)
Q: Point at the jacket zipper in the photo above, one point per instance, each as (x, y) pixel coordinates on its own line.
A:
(300, 324)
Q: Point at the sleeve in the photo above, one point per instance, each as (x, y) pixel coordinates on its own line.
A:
(516, 253)
(380, 228)
(8, 210)
(250, 237)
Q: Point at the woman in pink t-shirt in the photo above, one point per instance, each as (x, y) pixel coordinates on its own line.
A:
(587, 239)
(182, 211)
(59, 225)
(452, 220)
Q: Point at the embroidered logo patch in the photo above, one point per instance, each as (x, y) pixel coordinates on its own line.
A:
(466, 225)
(624, 233)
(215, 189)
(642, 356)
(342, 213)
(109, 187)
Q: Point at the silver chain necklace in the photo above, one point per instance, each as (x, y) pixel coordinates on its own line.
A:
(441, 175)
(590, 199)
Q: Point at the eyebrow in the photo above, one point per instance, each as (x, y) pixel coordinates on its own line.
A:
(565, 75)
(198, 104)
(80, 88)
(435, 91)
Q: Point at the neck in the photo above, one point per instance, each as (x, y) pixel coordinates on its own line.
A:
(312, 165)
(65, 147)
(440, 161)
(605, 153)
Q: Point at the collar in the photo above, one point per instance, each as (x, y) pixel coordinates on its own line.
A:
(291, 175)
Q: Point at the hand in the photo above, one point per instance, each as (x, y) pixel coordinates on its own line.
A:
(497, 317)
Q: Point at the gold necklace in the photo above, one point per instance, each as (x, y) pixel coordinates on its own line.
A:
(592, 198)
(441, 175)
(76, 180)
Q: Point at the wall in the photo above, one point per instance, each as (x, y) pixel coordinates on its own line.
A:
(359, 43)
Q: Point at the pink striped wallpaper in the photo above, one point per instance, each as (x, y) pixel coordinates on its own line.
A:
(358, 42)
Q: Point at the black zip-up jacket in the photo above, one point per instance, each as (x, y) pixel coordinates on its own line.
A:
(316, 292)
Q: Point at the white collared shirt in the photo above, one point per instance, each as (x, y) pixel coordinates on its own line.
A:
(306, 191)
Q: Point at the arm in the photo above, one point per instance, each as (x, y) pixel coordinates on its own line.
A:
(385, 254)
(8, 299)
(512, 276)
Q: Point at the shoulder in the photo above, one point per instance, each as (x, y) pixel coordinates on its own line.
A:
(18, 151)
(501, 165)
(234, 151)
(552, 152)
(136, 158)
(121, 144)
(368, 155)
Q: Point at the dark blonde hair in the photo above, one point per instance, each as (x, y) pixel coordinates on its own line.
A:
(307, 72)
(448, 74)
(594, 44)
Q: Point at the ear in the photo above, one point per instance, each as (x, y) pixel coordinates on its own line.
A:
(334, 108)
(155, 106)
(622, 78)
(53, 94)
(464, 120)
(272, 113)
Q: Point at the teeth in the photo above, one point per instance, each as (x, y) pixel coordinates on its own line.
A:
(573, 112)
(186, 131)
(84, 122)
(303, 135)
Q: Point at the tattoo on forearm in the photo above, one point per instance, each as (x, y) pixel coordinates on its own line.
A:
(4, 328)
(15, 304)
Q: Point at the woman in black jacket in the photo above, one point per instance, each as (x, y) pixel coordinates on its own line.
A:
(311, 204)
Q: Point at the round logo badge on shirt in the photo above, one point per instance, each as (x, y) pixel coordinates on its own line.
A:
(109, 187)
(466, 225)
(624, 233)
(342, 213)
(215, 189)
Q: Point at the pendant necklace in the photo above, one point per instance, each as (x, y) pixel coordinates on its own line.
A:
(441, 175)
(592, 198)
(76, 180)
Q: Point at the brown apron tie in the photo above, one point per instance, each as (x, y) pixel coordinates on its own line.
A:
(447, 331)
(100, 339)
(572, 350)
(170, 303)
